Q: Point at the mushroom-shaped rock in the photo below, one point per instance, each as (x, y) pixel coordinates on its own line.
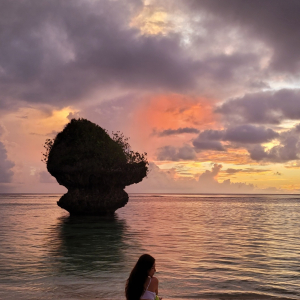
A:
(94, 168)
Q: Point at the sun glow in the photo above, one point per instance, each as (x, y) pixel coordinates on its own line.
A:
(150, 20)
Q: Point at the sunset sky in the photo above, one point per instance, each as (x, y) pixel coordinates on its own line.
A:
(210, 89)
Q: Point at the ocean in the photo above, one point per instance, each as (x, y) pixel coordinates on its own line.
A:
(205, 246)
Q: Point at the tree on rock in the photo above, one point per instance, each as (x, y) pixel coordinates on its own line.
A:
(94, 167)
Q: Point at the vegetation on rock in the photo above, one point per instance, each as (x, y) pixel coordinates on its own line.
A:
(94, 167)
(83, 139)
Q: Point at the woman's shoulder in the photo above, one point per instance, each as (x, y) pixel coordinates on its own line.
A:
(153, 284)
(154, 280)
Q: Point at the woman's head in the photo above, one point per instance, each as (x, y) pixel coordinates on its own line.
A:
(145, 264)
(144, 267)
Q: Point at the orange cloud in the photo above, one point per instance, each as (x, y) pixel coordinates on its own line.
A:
(231, 156)
(174, 111)
(171, 111)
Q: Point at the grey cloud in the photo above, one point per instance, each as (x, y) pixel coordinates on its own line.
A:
(224, 68)
(212, 135)
(207, 145)
(176, 154)
(264, 107)
(60, 51)
(244, 134)
(287, 150)
(249, 134)
(257, 152)
(209, 140)
(168, 132)
(273, 22)
(5, 166)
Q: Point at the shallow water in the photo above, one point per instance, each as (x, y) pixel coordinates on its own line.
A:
(206, 247)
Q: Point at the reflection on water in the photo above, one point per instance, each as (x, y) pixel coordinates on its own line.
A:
(206, 247)
(87, 244)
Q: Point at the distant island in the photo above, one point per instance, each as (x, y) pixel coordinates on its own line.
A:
(94, 167)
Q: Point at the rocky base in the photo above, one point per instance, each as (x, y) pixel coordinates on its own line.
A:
(93, 202)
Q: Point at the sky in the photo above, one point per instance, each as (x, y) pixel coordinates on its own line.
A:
(210, 89)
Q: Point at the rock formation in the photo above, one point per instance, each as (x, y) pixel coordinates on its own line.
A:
(94, 168)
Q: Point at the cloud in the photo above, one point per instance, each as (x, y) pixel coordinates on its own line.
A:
(168, 132)
(209, 140)
(244, 134)
(287, 150)
(45, 177)
(166, 181)
(249, 134)
(2, 130)
(115, 64)
(201, 145)
(246, 170)
(157, 180)
(209, 176)
(293, 165)
(208, 182)
(175, 154)
(263, 107)
(251, 137)
(273, 22)
(6, 166)
(60, 52)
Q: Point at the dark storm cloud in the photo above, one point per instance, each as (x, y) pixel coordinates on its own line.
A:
(5, 166)
(168, 132)
(275, 22)
(243, 134)
(264, 107)
(59, 51)
(176, 154)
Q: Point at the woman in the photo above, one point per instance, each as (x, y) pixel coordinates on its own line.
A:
(141, 285)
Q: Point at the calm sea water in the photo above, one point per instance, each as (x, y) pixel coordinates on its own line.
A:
(206, 247)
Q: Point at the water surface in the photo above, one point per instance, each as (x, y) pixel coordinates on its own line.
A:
(206, 247)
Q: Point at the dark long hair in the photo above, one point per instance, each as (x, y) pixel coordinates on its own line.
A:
(135, 283)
